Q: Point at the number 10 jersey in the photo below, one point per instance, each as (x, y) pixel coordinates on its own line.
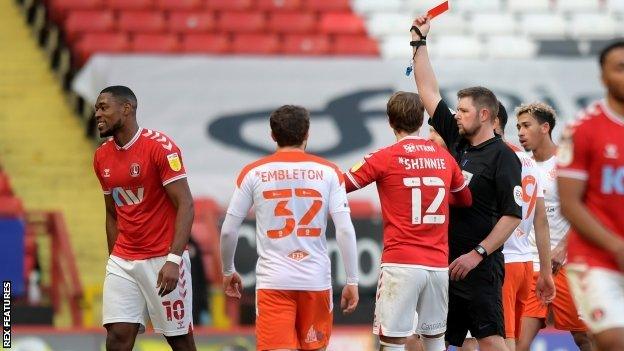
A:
(293, 193)
(414, 179)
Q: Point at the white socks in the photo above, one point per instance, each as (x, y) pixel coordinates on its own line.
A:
(433, 344)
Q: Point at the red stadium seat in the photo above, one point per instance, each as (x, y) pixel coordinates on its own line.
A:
(327, 5)
(206, 43)
(341, 23)
(91, 43)
(298, 44)
(5, 185)
(142, 21)
(278, 5)
(80, 21)
(255, 44)
(292, 22)
(155, 43)
(355, 45)
(11, 206)
(179, 4)
(191, 22)
(229, 5)
(126, 5)
(58, 9)
(241, 22)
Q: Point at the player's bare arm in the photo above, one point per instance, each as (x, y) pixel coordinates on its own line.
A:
(571, 192)
(111, 222)
(462, 265)
(545, 287)
(180, 195)
(559, 254)
(426, 81)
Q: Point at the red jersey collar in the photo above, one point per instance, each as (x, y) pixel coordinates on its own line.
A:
(131, 142)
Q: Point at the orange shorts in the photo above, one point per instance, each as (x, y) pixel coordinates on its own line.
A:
(564, 311)
(293, 319)
(516, 287)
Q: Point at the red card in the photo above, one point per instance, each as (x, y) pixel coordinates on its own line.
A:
(438, 10)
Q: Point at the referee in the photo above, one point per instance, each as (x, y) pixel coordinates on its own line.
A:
(476, 234)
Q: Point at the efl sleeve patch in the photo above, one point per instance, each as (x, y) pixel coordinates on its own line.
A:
(174, 161)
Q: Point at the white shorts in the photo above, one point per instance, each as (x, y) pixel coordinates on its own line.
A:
(402, 292)
(130, 294)
(599, 296)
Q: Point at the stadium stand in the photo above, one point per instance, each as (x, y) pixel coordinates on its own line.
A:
(43, 147)
(533, 23)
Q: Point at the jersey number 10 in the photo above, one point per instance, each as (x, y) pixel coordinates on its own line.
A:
(282, 211)
(430, 217)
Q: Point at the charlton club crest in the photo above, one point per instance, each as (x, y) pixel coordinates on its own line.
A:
(135, 170)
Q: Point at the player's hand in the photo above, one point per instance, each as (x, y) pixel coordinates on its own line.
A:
(463, 264)
(424, 24)
(232, 285)
(349, 299)
(545, 288)
(558, 257)
(167, 278)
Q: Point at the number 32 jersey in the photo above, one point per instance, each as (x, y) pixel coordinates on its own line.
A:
(414, 179)
(293, 193)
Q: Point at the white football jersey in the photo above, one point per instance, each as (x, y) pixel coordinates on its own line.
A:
(293, 193)
(559, 226)
(517, 248)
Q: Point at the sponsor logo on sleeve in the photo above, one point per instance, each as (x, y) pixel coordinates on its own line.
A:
(174, 161)
(357, 166)
(517, 194)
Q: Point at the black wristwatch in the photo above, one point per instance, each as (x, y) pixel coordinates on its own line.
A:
(481, 251)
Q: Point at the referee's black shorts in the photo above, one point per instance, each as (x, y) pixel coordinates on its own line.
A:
(475, 303)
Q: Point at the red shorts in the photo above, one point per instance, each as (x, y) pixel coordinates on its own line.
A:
(518, 278)
(564, 311)
(293, 319)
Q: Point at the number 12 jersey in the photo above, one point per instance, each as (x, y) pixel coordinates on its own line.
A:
(414, 179)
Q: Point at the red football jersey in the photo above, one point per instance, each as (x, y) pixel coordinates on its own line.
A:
(592, 149)
(414, 177)
(135, 176)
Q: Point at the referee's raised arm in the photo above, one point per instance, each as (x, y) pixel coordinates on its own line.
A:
(441, 118)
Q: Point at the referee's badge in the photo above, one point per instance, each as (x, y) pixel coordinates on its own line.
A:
(174, 161)
(517, 194)
(467, 177)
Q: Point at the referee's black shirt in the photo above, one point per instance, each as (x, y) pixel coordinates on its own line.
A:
(494, 174)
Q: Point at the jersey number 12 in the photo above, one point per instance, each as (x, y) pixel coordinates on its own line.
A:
(430, 217)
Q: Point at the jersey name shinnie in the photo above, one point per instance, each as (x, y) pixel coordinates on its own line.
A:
(422, 163)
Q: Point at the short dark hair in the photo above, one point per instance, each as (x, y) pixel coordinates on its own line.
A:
(405, 111)
(481, 98)
(123, 94)
(502, 115)
(617, 44)
(542, 112)
(290, 125)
